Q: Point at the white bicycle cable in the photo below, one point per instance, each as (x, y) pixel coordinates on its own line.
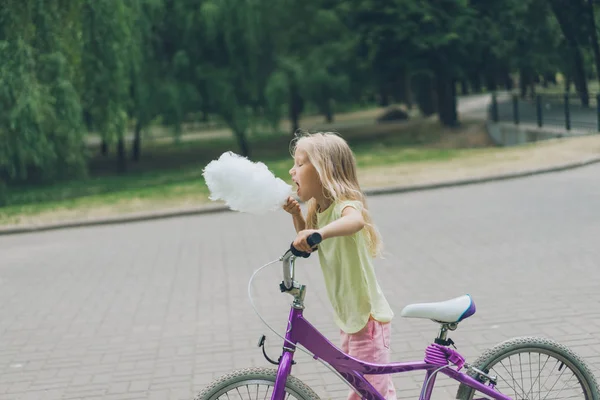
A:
(285, 340)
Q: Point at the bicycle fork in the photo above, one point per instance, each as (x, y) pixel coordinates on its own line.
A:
(286, 360)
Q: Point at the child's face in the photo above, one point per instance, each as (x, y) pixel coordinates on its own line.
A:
(305, 176)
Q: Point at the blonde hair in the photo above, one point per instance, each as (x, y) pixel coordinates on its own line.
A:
(336, 166)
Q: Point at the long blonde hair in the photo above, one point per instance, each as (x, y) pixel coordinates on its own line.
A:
(336, 166)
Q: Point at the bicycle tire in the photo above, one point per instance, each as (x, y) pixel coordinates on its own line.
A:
(242, 377)
(549, 347)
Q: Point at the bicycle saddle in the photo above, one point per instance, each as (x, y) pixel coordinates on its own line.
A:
(449, 311)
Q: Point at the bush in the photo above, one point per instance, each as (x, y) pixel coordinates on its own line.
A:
(393, 114)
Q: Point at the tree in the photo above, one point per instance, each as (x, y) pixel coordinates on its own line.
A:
(567, 14)
(106, 67)
(238, 59)
(593, 35)
(40, 114)
(425, 39)
(323, 79)
(144, 68)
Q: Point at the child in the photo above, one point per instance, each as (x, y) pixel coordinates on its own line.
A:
(325, 174)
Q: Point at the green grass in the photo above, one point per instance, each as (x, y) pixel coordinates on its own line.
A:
(121, 197)
(170, 174)
(556, 91)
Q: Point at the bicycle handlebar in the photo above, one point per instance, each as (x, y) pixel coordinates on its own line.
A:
(288, 260)
(313, 240)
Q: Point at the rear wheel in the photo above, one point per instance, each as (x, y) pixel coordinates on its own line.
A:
(254, 384)
(535, 368)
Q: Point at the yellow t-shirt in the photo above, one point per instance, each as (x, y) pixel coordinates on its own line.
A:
(349, 275)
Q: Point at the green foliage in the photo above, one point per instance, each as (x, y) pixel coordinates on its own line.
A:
(276, 94)
(40, 114)
(106, 64)
(71, 67)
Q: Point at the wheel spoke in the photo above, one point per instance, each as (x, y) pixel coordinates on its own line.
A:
(561, 374)
(511, 374)
(537, 379)
(551, 379)
(513, 378)
(561, 389)
(509, 385)
(549, 375)
(530, 374)
(521, 368)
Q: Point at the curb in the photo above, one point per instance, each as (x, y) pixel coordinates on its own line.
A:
(368, 192)
(483, 179)
(114, 220)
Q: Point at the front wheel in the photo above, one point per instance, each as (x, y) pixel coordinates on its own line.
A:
(535, 368)
(254, 384)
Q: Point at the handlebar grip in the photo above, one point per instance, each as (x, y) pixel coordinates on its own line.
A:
(313, 240)
(298, 253)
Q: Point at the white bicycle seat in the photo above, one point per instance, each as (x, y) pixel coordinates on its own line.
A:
(450, 311)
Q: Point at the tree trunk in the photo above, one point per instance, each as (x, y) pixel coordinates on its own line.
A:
(384, 96)
(476, 83)
(490, 80)
(104, 148)
(594, 37)
(506, 78)
(464, 87)
(524, 80)
(579, 77)
(446, 96)
(121, 158)
(408, 91)
(3, 192)
(328, 112)
(567, 83)
(242, 142)
(137, 142)
(295, 107)
(402, 88)
(424, 95)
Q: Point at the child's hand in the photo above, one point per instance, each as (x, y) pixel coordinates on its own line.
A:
(300, 241)
(292, 206)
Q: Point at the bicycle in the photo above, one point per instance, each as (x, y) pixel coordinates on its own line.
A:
(479, 377)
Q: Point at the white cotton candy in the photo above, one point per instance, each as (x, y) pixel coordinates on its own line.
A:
(244, 185)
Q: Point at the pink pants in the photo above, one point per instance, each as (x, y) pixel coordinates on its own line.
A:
(371, 344)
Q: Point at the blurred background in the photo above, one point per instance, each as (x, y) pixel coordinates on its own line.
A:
(116, 106)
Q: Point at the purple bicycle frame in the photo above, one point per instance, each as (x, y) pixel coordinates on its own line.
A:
(300, 331)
